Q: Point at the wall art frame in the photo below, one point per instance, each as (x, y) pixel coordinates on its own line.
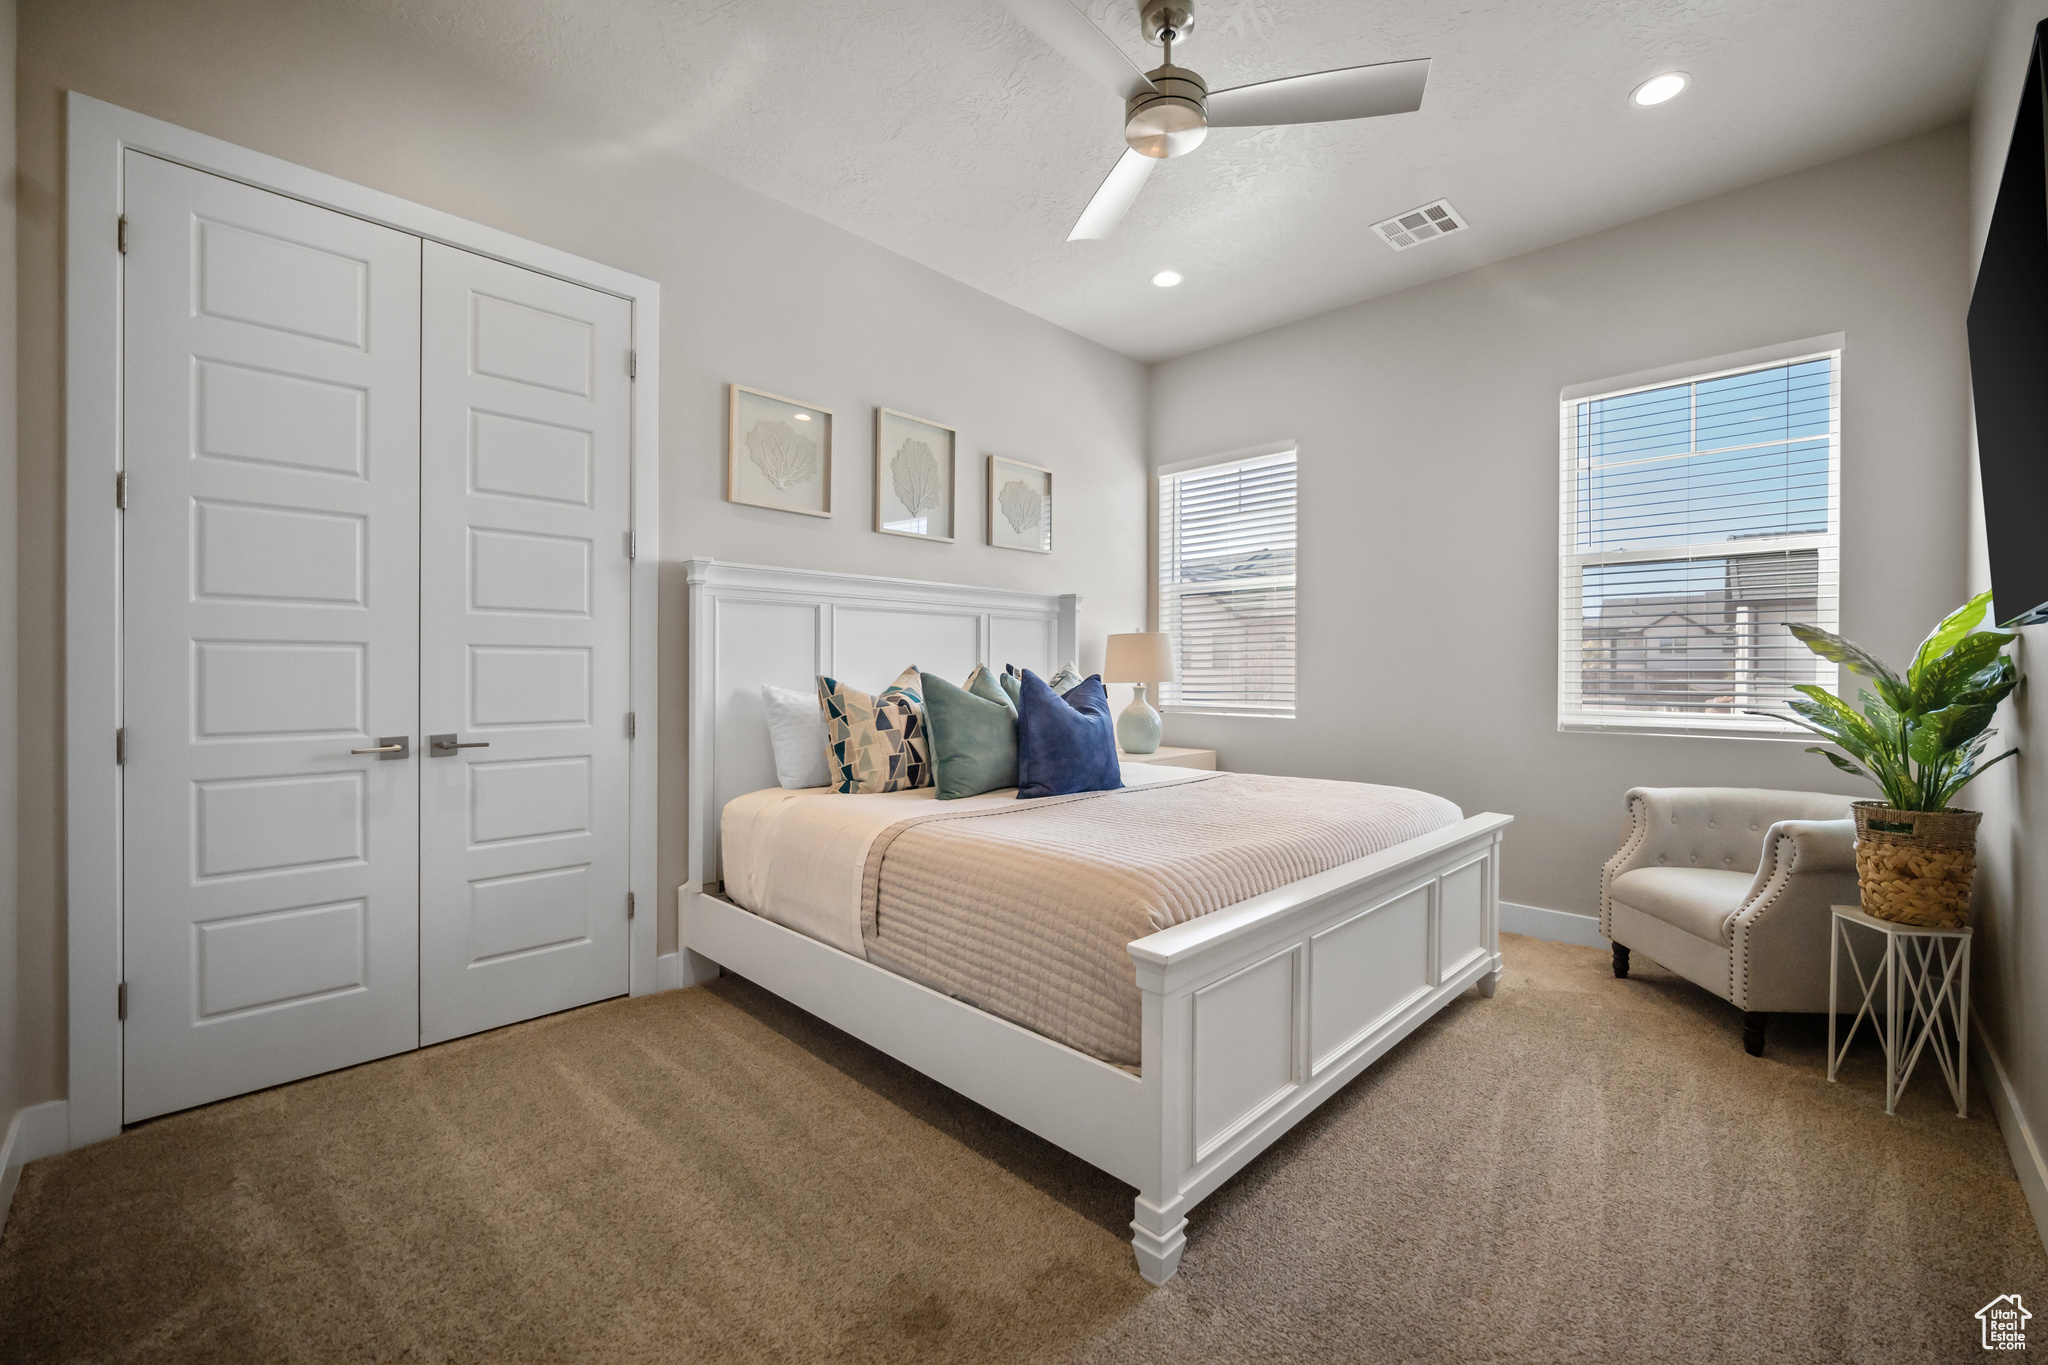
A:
(1020, 506)
(915, 476)
(772, 462)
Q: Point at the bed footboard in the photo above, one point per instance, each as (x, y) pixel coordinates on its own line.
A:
(1252, 1016)
(1256, 1014)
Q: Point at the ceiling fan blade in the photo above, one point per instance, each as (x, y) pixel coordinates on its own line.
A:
(1114, 199)
(1068, 32)
(1324, 97)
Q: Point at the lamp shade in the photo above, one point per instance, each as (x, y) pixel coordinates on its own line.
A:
(1145, 657)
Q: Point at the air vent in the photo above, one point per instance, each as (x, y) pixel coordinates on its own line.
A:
(1417, 226)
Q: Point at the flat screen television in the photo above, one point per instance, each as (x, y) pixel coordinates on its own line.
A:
(2009, 363)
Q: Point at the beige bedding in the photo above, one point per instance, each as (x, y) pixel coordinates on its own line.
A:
(1024, 908)
(1025, 911)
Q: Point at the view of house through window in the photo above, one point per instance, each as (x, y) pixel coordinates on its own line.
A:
(1699, 517)
(1226, 583)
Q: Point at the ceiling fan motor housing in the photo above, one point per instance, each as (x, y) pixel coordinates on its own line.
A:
(1172, 118)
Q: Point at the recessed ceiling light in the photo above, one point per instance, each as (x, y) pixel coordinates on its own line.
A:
(1166, 279)
(803, 417)
(1658, 89)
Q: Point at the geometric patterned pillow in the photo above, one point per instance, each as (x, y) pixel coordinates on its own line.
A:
(876, 743)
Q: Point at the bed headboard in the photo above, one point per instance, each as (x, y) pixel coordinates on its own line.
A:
(751, 624)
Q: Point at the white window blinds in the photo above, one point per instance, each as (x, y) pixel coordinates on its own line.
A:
(1226, 584)
(1698, 518)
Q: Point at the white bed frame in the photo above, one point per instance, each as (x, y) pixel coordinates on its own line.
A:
(1252, 1016)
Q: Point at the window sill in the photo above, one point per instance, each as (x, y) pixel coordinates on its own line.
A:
(1178, 709)
(1671, 727)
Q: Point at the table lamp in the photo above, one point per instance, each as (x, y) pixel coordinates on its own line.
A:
(1141, 657)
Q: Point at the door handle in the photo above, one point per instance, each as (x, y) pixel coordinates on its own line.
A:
(389, 747)
(442, 746)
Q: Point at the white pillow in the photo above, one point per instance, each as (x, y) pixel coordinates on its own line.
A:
(796, 730)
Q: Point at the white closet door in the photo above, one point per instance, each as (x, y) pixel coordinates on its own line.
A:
(524, 621)
(270, 592)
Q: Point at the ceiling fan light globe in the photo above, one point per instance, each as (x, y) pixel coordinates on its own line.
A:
(1166, 127)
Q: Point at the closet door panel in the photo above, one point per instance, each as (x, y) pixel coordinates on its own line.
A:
(524, 638)
(270, 599)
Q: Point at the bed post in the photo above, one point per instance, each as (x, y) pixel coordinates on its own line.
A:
(696, 969)
(1159, 1218)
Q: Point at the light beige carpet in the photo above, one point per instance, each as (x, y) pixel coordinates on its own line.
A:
(1580, 1169)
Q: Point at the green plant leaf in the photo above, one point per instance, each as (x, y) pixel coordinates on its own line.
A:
(1852, 656)
(1953, 628)
(1939, 734)
(1965, 776)
(1856, 743)
(1990, 684)
(1882, 718)
(1941, 680)
(1844, 764)
(1825, 708)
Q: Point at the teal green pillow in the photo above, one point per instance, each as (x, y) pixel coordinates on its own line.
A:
(982, 683)
(1011, 682)
(973, 739)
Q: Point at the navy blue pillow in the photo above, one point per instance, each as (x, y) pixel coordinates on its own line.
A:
(1065, 744)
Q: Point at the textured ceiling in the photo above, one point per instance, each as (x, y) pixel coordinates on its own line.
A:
(946, 131)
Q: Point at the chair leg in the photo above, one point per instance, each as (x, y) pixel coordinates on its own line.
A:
(1621, 960)
(1753, 1024)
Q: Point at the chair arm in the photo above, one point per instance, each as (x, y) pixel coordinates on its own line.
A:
(1778, 940)
(1816, 846)
(1636, 850)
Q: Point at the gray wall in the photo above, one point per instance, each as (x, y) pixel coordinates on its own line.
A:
(11, 994)
(2011, 952)
(1427, 424)
(753, 291)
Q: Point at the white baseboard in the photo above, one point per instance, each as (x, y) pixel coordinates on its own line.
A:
(38, 1131)
(2027, 1162)
(668, 971)
(1558, 926)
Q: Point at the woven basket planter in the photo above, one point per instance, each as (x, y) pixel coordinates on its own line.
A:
(1916, 866)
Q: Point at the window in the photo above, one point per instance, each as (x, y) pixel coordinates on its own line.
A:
(1698, 518)
(1226, 582)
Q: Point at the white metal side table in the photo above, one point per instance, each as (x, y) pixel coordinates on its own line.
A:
(1925, 977)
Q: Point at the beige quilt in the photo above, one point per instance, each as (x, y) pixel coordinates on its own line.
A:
(1024, 909)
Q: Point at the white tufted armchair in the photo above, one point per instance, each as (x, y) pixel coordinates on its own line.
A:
(1730, 888)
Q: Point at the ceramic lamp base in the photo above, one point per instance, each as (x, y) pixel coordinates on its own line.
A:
(1137, 729)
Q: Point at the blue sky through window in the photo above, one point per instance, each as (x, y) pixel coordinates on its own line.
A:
(1734, 458)
(1740, 457)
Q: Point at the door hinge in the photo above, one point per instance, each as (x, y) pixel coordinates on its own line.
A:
(121, 235)
(632, 546)
(632, 725)
(629, 905)
(632, 364)
(121, 490)
(120, 745)
(121, 1002)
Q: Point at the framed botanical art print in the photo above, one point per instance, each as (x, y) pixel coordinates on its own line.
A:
(1019, 506)
(778, 453)
(913, 476)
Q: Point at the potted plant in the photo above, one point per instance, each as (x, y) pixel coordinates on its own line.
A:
(1920, 739)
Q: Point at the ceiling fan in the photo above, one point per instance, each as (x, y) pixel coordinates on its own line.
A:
(1169, 110)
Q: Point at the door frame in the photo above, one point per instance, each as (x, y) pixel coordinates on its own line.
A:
(99, 135)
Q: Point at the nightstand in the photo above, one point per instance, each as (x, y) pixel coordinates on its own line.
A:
(1167, 757)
